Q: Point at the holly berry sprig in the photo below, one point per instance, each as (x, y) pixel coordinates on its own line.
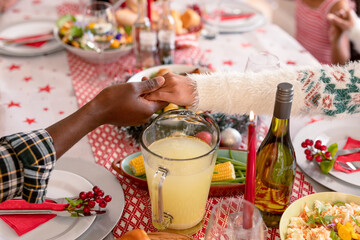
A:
(321, 153)
(87, 201)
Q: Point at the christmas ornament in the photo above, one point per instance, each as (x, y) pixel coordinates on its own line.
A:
(230, 138)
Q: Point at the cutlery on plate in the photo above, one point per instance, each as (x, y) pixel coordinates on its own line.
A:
(28, 39)
(348, 165)
(63, 213)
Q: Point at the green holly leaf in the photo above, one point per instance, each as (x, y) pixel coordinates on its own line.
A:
(74, 202)
(333, 149)
(326, 165)
(334, 236)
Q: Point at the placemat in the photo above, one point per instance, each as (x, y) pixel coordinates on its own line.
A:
(108, 143)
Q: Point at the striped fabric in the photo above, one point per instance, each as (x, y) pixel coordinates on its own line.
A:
(312, 29)
(26, 160)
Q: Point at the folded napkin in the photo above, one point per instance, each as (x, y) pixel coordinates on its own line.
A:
(36, 44)
(25, 223)
(350, 143)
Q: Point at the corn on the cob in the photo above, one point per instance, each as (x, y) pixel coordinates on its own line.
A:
(137, 166)
(223, 172)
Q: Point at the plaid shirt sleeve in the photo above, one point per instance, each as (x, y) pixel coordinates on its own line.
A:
(26, 160)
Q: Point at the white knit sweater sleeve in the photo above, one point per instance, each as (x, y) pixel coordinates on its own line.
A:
(354, 34)
(323, 89)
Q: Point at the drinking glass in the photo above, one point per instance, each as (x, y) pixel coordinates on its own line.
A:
(262, 61)
(99, 28)
(179, 149)
(211, 14)
(235, 219)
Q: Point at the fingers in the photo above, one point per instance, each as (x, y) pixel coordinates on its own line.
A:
(151, 85)
(159, 96)
(144, 78)
(337, 21)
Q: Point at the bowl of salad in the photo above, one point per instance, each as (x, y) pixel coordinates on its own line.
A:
(325, 215)
(69, 32)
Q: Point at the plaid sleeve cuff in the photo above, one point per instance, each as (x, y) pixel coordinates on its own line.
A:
(36, 151)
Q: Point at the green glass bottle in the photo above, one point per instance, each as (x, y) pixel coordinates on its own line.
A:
(275, 161)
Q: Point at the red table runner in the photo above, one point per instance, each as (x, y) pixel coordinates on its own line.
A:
(108, 143)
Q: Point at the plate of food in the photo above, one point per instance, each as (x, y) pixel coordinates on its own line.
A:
(329, 132)
(230, 184)
(69, 33)
(325, 215)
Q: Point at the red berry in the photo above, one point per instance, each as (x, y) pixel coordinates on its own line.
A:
(318, 144)
(318, 158)
(95, 189)
(327, 154)
(78, 206)
(90, 194)
(100, 193)
(86, 209)
(307, 151)
(91, 204)
(82, 195)
(323, 148)
(309, 142)
(103, 204)
(99, 199)
(303, 144)
(108, 198)
(309, 157)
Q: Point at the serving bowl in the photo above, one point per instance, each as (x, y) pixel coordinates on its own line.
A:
(122, 167)
(297, 207)
(108, 56)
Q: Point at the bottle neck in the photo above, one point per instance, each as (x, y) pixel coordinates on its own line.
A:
(142, 12)
(281, 118)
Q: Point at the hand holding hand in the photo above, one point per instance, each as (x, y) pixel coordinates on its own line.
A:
(177, 89)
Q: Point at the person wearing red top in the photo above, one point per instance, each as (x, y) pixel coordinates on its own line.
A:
(313, 30)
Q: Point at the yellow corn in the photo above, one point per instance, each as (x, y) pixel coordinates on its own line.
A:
(137, 166)
(223, 172)
(171, 106)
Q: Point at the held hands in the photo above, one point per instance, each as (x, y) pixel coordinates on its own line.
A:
(125, 105)
(177, 89)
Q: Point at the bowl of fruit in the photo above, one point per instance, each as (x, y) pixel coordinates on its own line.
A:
(69, 32)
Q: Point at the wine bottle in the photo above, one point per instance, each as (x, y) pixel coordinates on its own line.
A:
(166, 35)
(275, 161)
(141, 29)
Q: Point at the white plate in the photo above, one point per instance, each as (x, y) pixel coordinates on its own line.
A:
(30, 27)
(61, 184)
(329, 131)
(103, 178)
(175, 68)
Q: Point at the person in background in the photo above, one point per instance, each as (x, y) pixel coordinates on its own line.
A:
(347, 21)
(332, 91)
(6, 4)
(27, 158)
(313, 30)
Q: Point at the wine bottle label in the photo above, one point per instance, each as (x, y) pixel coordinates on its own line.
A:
(147, 38)
(167, 37)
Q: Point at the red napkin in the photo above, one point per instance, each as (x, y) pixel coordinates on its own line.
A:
(35, 44)
(25, 223)
(350, 143)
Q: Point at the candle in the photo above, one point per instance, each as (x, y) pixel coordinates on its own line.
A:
(149, 9)
(251, 161)
(250, 172)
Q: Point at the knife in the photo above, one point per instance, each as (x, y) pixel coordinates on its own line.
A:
(63, 213)
(347, 151)
(28, 39)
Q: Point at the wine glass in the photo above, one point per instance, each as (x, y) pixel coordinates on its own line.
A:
(262, 60)
(235, 219)
(99, 26)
